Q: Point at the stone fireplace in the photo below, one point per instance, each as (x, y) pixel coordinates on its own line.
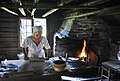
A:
(92, 29)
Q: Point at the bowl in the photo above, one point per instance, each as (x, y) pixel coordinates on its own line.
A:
(59, 65)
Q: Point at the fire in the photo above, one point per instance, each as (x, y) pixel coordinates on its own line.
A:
(83, 55)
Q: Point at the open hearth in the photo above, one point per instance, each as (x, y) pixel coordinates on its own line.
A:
(73, 48)
(96, 33)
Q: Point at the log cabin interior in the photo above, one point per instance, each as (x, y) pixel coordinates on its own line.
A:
(69, 25)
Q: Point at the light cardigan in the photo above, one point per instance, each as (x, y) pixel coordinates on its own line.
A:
(33, 49)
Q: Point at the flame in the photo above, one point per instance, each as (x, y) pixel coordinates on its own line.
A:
(82, 55)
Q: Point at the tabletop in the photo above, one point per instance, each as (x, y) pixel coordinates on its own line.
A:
(115, 64)
(31, 67)
(45, 68)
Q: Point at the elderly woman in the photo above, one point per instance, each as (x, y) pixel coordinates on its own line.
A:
(34, 46)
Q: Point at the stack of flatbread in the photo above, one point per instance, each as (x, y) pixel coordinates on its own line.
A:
(36, 60)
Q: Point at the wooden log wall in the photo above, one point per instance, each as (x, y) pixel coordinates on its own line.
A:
(9, 35)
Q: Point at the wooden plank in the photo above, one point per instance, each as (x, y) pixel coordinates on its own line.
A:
(11, 52)
(3, 19)
(7, 43)
(11, 44)
(10, 26)
(7, 24)
(7, 29)
(8, 35)
(8, 40)
(9, 49)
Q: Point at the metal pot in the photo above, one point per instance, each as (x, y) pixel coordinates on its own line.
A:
(59, 65)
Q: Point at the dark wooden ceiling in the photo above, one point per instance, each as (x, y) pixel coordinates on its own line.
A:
(107, 7)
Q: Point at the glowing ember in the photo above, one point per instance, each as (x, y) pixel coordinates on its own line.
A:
(83, 55)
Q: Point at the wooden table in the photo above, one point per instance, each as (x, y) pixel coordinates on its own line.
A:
(109, 66)
(28, 69)
(31, 71)
(33, 68)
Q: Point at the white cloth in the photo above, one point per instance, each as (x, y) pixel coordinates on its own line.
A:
(33, 49)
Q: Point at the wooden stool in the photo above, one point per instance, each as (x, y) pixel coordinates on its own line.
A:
(107, 71)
